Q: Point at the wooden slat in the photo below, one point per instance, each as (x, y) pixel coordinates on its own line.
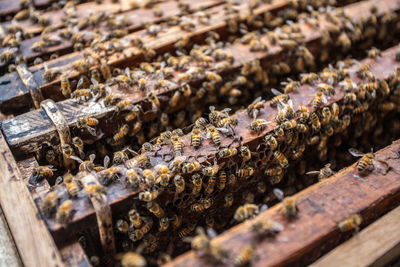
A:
(133, 56)
(321, 207)
(377, 245)
(74, 255)
(25, 133)
(8, 252)
(137, 19)
(34, 242)
(119, 195)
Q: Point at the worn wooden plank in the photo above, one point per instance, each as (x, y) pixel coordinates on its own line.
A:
(74, 255)
(34, 242)
(25, 133)
(8, 252)
(321, 207)
(8, 8)
(119, 195)
(377, 245)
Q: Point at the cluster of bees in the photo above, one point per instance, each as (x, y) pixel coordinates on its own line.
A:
(177, 185)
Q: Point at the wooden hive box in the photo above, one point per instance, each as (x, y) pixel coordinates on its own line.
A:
(223, 54)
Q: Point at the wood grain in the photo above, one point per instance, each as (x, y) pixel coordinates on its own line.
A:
(34, 242)
(321, 207)
(26, 133)
(8, 252)
(377, 245)
(74, 255)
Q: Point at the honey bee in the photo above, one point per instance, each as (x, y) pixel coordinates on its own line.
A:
(132, 178)
(85, 166)
(214, 134)
(176, 164)
(130, 259)
(308, 77)
(245, 172)
(196, 138)
(254, 108)
(209, 187)
(50, 74)
(105, 71)
(72, 186)
(179, 184)
(88, 123)
(187, 230)
(121, 133)
(197, 183)
(201, 123)
(278, 98)
(315, 122)
(109, 175)
(191, 167)
(43, 172)
(335, 112)
(288, 204)
(149, 195)
(290, 86)
(50, 203)
(122, 226)
(64, 212)
(227, 152)
(245, 212)
(374, 53)
(154, 208)
(7, 55)
(134, 218)
(266, 228)
(244, 256)
(154, 100)
(176, 221)
(120, 157)
(326, 89)
(177, 145)
(216, 116)
(289, 125)
(366, 163)
(65, 87)
(80, 94)
(271, 142)
(319, 100)
(324, 173)
(257, 126)
(164, 224)
(351, 223)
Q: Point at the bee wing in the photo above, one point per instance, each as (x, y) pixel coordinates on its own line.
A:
(223, 130)
(91, 130)
(128, 72)
(328, 165)
(211, 233)
(212, 108)
(94, 81)
(226, 110)
(290, 103)
(92, 157)
(312, 172)
(263, 207)
(106, 161)
(278, 193)
(59, 180)
(355, 152)
(324, 99)
(46, 68)
(76, 158)
(275, 92)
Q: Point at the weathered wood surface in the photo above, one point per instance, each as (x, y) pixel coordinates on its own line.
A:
(377, 245)
(74, 255)
(137, 19)
(25, 133)
(321, 207)
(132, 55)
(8, 252)
(34, 242)
(119, 195)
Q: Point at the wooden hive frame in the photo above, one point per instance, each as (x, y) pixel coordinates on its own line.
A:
(18, 202)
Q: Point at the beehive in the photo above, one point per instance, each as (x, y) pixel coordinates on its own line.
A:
(127, 82)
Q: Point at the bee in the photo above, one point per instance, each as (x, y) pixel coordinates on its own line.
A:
(254, 108)
(149, 195)
(216, 116)
(319, 100)
(285, 111)
(122, 226)
(244, 153)
(326, 89)
(187, 230)
(227, 152)
(191, 167)
(50, 203)
(84, 94)
(228, 200)
(88, 123)
(134, 218)
(176, 221)
(244, 256)
(130, 259)
(43, 172)
(227, 122)
(72, 186)
(7, 55)
(154, 101)
(197, 183)
(64, 212)
(288, 204)
(245, 172)
(85, 166)
(308, 77)
(257, 126)
(245, 212)
(65, 87)
(132, 178)
(176, 164)
(164, 224)
(80, 66)
(366, 161)
(266, 228)
(120, 157)
(179, 184)
(201, 123)
(177, 145)
(105, 71)
(109, 175)
(374, 53)
(209, 187)
(324, 173)
(154, 208)
(121, 133)
(50, 74)
(196, 138)
(351, 223)
(149, 177)
(222, 180)
(289, 125)
(201, 205)
(134, 112)
(271, 142)
(278, 98)
(315, 122)
(290, 86)
(214, 134)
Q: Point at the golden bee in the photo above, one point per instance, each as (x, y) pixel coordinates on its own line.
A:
(254, 108)
(351, 223)
(288, 204)
(43, 172)
(134, 218)
(266, 228)
(196, 138)
(197, 184)
(179, 184)
(154, 208)
(222, 178)
(227, 152)
(228, 200)
(191, 167)
(122, 226)
(65, 87)
(149, 195)
(87, 165)
(64, 212)
(257, 126)
(366, 163)
(245, 212)
(245, 172)
(319, 100)
(315, 122)
(244, 256)
(49, 203)
(88, 123)
(121, 133)
(71, 184)
(281, 159)
(324, 173)
(50, 74)
(130, 259)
